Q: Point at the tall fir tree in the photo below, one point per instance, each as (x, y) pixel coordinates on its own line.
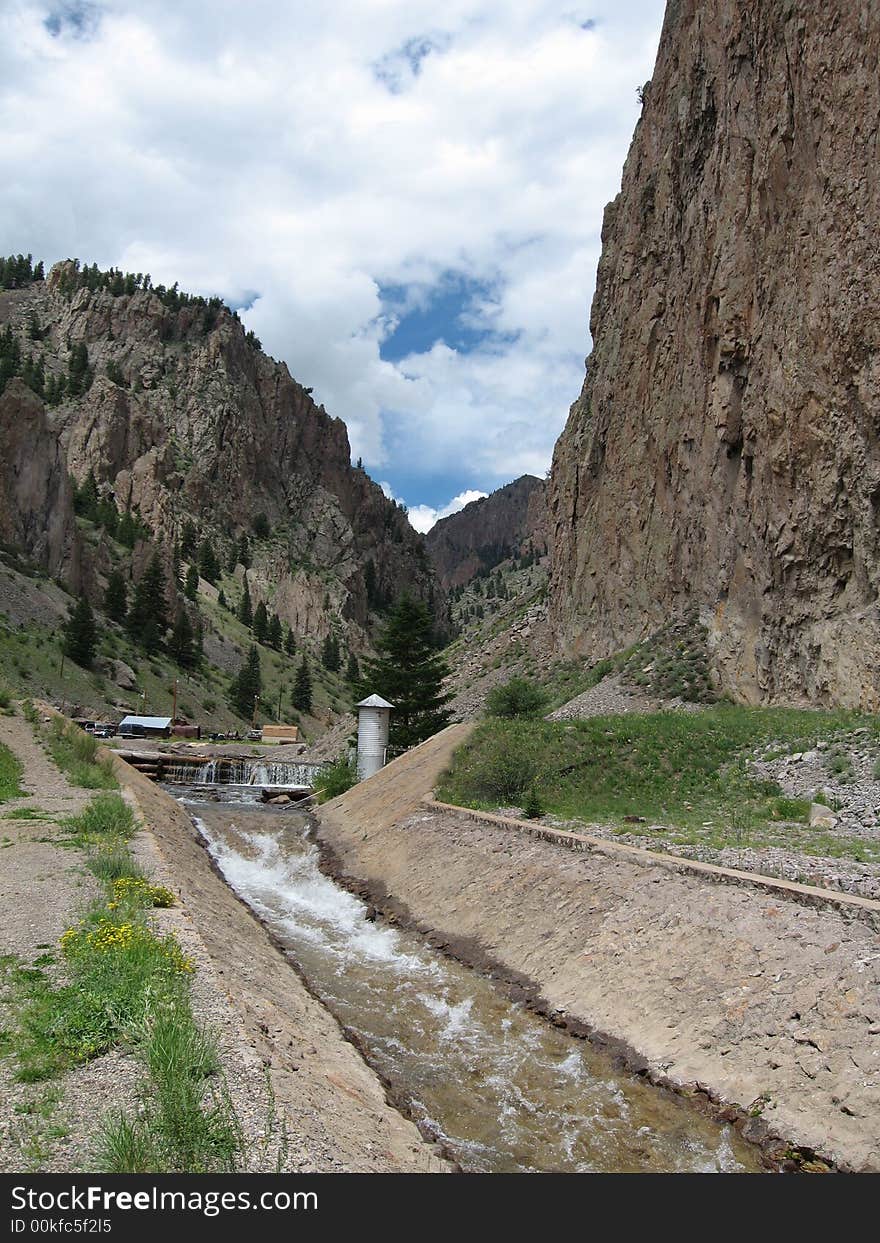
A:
(188, 541)
(191, 589)
(247, 685)
(274, 635)
(261, 623)
(208, 563)
(245, 609)
(181, 644)
(80, 634)
(352, 670)
(302, 687)
(116, 597)
(409, 673)
(289, 641)
(147, 618)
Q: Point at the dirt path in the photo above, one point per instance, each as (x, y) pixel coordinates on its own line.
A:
(274, 1039)
(764, 1004)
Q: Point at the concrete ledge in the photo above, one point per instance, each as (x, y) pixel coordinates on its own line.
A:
(851, 904)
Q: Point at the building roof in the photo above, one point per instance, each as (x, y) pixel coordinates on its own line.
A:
(375, 701)
(147, 722)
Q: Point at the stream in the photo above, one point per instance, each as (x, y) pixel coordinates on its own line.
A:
(500, 1085)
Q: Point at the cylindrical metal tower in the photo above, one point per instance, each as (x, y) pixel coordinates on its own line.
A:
(373, 717)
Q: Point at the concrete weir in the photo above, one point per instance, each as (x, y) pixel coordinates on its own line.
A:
(758, 1000)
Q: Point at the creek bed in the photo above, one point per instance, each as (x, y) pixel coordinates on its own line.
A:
(503, 1088)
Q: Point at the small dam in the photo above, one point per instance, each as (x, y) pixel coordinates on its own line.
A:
(263, 778)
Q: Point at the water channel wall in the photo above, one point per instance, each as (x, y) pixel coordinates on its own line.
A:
(756, 996)
(333, 1101)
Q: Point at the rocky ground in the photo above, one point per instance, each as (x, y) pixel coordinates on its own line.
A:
(305, 1099)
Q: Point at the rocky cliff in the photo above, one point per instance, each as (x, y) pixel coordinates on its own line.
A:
(185, 418)
(509, 522)
(725, 449)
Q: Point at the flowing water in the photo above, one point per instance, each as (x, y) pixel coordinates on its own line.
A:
(504, 1088)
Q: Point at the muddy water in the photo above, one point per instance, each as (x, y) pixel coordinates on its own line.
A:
(506, 1090)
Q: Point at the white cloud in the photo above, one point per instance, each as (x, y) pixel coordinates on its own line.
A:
(423, 517)
(313, 153)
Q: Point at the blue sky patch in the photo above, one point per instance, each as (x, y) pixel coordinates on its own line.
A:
(77, 18)
(398, 69)
(449, 311)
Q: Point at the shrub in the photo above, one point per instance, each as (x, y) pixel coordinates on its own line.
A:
(518, 697)
(334, 779)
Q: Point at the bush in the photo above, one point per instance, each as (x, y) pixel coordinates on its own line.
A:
(334, 779)
(518, 697)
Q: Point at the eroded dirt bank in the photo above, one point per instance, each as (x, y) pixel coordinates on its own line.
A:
(755, 1000)
(334, 1106)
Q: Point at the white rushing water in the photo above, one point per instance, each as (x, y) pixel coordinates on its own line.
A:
(504, 1088)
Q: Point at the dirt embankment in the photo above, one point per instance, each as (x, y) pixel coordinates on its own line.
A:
(757, 1002)
(333, 1107)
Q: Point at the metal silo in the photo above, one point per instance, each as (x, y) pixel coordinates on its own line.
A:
(373, 717)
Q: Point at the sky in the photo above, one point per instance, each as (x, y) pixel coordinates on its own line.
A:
(404, 199)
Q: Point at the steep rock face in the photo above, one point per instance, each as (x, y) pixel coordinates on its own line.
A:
(183, 420)
(510, 521)
(36, 504)
(725, 449)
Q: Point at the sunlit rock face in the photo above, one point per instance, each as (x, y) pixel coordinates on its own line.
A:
(725, 448)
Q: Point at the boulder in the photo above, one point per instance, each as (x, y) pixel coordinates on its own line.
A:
(821, 817)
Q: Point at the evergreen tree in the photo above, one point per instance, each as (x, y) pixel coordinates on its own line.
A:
(188, 541)
(330, 657)
(147, 618)
(116, 597)
(261, 527)
(289, 642)
(370, 582)
(247, 685)
(244, 552)
(191, 589)
(245, 609)
(409, 673)
(221, 598)
(261, 623)
(302, 688)
(181, 645)
(86, 498)
(352, 670)
(80, 635)
(208, 563)
(127, 531)
(274, 635)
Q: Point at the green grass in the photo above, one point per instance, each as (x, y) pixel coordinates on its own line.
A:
(675, 769)
(10, 775)
(27, 813)
(106, 816)
(76, 753)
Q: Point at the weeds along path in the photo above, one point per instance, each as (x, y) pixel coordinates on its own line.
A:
(43, 1125)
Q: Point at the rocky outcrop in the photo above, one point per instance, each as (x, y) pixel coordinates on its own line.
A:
(187, 418)
(509, 522)
(36, 503)
(724, 450)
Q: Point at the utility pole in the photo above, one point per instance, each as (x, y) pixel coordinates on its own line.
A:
(256, 706)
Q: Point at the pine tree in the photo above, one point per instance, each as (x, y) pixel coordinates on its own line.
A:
(147, 618)
(86, 498)
(302, 688)
(80, 635)
(409, 673)
(181, 644)
(261, 623)
(191, 589)
(116, 597)
(127, 531)
(245, 609)
(274, 635)
(221, 598)
(188, 541)
(352, 670)
(247, 685)
(208, 563)
(330, 657)
(289, 642)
